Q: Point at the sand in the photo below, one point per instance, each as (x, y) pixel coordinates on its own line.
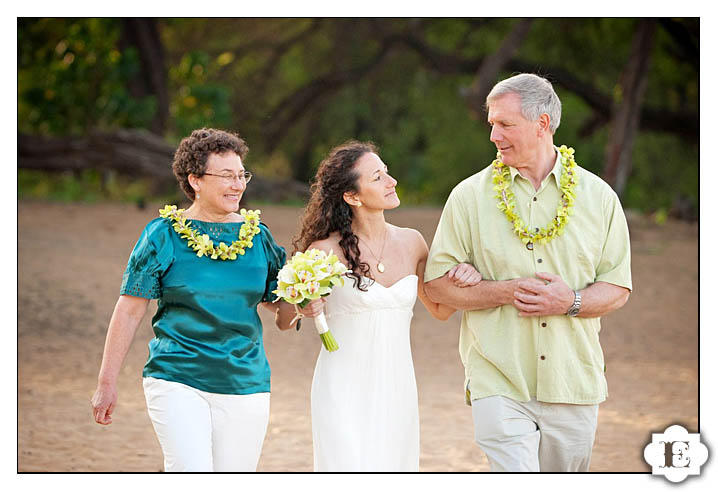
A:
(70, 263)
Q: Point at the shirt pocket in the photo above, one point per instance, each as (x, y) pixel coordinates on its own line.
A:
(496, 262)
(587, 255)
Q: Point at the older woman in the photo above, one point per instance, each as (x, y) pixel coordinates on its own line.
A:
(206, 380)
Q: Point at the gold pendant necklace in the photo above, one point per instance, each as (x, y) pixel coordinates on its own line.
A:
(379, 265)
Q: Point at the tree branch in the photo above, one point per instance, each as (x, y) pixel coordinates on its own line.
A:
(684, 123)
(293, 106)
(279, 49)
(492, 64)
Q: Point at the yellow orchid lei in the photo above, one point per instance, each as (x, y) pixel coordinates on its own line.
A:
(507, 199)
(203, 245)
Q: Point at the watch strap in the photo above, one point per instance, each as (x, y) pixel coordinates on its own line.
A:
(576, 306)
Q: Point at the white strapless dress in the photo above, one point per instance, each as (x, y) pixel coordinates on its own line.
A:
(365, 411)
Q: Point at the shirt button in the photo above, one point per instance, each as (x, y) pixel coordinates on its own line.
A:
(543, 324)
(543, 357)
(540, 260)
(535, 198)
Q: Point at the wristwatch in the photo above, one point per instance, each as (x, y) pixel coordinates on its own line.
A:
(576, 306)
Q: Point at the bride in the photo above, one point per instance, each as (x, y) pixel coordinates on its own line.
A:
(365, 414)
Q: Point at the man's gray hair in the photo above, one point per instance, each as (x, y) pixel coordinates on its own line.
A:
(537, 97)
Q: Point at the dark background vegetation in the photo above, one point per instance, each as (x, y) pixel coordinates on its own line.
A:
(103, 102)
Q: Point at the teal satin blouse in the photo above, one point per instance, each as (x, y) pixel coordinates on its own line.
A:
(208, 334)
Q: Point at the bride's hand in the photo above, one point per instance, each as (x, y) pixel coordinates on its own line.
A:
(465, 275)
(313, 309)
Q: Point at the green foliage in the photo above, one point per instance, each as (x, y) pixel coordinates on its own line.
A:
(665, 170)
(593, 49)
(86, 186)
(198, 101)
(674, 83)
(294, 88)
(72, 78)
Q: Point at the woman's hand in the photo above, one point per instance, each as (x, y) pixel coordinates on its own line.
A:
(465, 275)
(126, 317)
(103, 403)
(312, 309)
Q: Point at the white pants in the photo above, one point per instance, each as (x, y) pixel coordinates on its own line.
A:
(205, 432)
(534, 436)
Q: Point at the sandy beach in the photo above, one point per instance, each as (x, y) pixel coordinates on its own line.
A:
(70, 262)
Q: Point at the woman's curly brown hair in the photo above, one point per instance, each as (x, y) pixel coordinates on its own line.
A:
(327, 211)
(193, 151)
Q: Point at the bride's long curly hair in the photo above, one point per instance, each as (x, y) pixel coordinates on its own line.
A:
(327, 211)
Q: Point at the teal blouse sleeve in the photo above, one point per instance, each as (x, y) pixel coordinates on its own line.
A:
(276, 257)
(150, 258)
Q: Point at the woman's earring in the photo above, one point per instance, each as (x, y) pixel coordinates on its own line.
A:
(359, 204)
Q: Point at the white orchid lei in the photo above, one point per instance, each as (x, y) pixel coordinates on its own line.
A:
(307, 277)
(203, 245)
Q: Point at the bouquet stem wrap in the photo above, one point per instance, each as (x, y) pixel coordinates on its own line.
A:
(320, 322)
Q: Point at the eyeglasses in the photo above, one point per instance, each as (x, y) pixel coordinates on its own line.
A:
(246, 176)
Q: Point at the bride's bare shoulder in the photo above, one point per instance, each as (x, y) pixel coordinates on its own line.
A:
(409, 237)
(328, 244)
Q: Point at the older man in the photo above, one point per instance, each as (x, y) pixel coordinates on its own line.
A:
(551, 241)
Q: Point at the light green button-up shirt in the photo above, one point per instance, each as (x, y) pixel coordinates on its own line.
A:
(555, 359)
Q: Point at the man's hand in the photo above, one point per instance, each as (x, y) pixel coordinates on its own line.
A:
(546, 297)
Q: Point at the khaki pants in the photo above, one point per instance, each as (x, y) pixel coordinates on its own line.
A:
(534, 436)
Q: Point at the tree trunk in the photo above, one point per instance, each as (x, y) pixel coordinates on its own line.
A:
(143, 35)
(486, 76)
(627, 108)
(302, 169)
(132, 153)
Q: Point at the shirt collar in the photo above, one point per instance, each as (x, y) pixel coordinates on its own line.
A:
(556, 171)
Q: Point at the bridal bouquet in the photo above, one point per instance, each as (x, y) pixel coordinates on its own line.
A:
(307, 277)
